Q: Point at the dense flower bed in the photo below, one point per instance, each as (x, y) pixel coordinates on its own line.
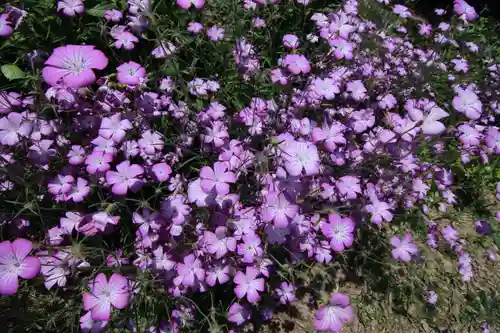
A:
(351, 123)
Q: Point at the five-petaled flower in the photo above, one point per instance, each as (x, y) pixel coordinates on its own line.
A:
(103, 295)
(15, 263)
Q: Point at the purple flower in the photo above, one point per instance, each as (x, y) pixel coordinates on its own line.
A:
(88, 325)
(340, 231)
(125, 39)
(342, 48)
(464, 10)
(331, 135)
(61, 184)
(403, 248)
(14, 127)
(113, 15)
(15, 263)
(190, 272)
(195, 27)
(278, 209)
(219, 243)
(467, 102)
(402, 11)
(125, 178)
(9, 101)
(79, 190)
(250, 248)
(151, 142)
(106, 294)
(217, 177)
(248, 284)
(296, 64)
(215, 33)
(98, 161)
(76, 155)
(161, 171)
(450, 235)
(70, 7)
(334, 315)
(291, 41)
(239, 314)
(72, 66)
(131, 73)
(348, 187)
(483, 227)
(432, 297)
(298, 156)
(5, 26)
(185, 4)
(379, 211)
(286, 293)
(217, 273)
(356, 89)
(114, 128)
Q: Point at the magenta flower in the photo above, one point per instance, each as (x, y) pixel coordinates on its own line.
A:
(342, 48)
(296, 63)
(195, 27)
(114, 128)
(300, 155)
(333, 316)
(217, 177)
(5, 26)
(465, 10)
(278, 209)
(331, 135)
(218, 273)
(131, 73)
(61, 184)
(239, 314)
(113, 15)
(70, 7)
(15, 263)
(151, 142)
(348, 187)
(71, 66)
(105, 295)
(125, 177)
(215, 33)
(403, 248)
(185, 4)
(340, 231)
(161, 171)
(125, 39)
(250, 248)
(219, 243)
(190, 272)
(380, 211)
(98, 161)
(286, 293)
(14, 127)
(248, 284)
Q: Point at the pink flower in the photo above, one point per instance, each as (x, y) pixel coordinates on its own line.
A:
(106, 294)
(219, 243)
(218, 273)
(79, 190)
(291, 41)
(248, 284)
(102, 219)
(125, 177)
(250, 248)
(88, 325)
(217, 177)
(403, 248)
(402, 11)
(356, 89)
(215, 33)
(185, 4)
(61, 184)
(467, 102)
(296, 63)
(333, 316)
(5, 26)
(9, 100)
(14, 127)
(114, 128)
(342, 48)
(161, 171)
(15, 262)
(300, 155)
(424, 29)
(465, 10)
(286, 293)
(126, 40)
(238, 314)
(98, 161)
(340, 232)
(71, 66)
(331, 135)
(76, 155)
(348, 187)
(164, 50)
(113, 15)
(278, 209)
(131, 73)
(70, 7)
(195, 27)
(190, 272)
(151, 142)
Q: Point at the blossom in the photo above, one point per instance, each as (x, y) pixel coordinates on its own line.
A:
(250, 248)
(348, 187)
(403, 247)
(278, 209)
(332, 135)
(286, 293)
(161, 171)
(14, 127)
(465, 10)
(298, 156)
(291, 41)
(131, 73)
(125, 39)
(219, 243)
(98, 161)
(185, 4)
(334, 315)
(195, 27)
(342, 48)
(380, 211)
(467, 102)
(340, 232)
(104, 295)
(248, 284)
(217, 177)
(15, 263)
(79, 190)
(296, 64)
(189, 272)
(88, 325)
(114, 128)
(402, 11)
(151, 142)
(5, 26)
(113, 15)
(238, 313)
(72, 66)
(70, 7)
(218, 273)
(9, 101)
(163, 50)
(215, 33)
(357, 89)
(125, 177)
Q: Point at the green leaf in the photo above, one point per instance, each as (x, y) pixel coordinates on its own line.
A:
(99, 10)
(12, 72)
